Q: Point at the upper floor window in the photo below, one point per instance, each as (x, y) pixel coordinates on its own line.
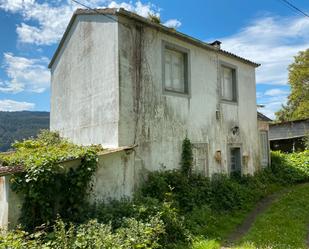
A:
(228, 83)
(175, 69)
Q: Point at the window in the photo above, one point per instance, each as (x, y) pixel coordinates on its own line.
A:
(175, 69)
(235, 160)
(228, 83)
(264, 148)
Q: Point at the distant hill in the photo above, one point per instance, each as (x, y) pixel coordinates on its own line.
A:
(20, 125)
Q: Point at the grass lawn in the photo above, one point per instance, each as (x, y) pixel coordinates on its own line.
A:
(284, 225)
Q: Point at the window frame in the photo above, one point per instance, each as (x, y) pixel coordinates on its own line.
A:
(234, 68)
(265, 132)
(229, 148)
(187, 69)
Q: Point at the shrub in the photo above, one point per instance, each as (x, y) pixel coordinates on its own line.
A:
(290, 168)
(133, 234)
(44, 178)
(186, 157)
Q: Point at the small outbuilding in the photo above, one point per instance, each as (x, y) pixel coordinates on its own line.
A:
(289, 136)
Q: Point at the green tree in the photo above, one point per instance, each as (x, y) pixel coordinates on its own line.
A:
(298, 101)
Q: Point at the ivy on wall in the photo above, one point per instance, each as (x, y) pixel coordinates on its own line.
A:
(186, 157)
(48, 188)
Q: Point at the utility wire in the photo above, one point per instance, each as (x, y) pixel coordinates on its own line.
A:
(95, 10)
(292, 6)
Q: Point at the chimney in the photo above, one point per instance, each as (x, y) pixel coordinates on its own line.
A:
(216, 44)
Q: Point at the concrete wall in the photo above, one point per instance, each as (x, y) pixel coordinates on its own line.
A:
(10, 204)
(115, 176)
(159, 122)
(84, 84)
(114, 179)
(3, 203)
(107, 89)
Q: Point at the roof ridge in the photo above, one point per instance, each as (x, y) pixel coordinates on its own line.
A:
(132, 15)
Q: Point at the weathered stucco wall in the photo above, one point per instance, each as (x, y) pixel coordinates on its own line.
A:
(10, 204)
(159, 122)
(263, 125)
(107, 89)
(84, 84)
(114, 178)
(3, 203)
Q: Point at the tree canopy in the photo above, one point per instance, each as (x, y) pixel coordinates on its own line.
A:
(297, 106)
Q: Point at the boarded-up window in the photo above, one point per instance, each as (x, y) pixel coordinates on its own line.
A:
(200, 158)
(264, 148)
(228, 83)
(175, 71)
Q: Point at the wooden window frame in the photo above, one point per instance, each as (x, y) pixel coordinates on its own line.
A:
(187, 73)
(234, 82)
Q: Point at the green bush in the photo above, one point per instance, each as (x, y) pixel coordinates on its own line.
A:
(169, 209)
(44, 178)
(133, 234)
(290, 168)
(141, 208)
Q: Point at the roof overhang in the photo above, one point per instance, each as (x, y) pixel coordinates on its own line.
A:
(145, 21)
(10, 170)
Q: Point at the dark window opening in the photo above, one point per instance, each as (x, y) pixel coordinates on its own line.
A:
(235, 160)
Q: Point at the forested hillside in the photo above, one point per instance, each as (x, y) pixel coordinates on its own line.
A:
(20, 125)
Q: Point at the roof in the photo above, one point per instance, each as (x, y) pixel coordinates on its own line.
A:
(290, 122)
(8, 170)
(262, 117)
(288, 130)
(121, 12)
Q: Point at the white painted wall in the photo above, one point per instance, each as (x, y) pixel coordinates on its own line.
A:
(84, 83)
(4, 207)
(158, 122)
(103, 94)
(115, 176)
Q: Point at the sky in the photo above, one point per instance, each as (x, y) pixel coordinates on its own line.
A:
(264, 31)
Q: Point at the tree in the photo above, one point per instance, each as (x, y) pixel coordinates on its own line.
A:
(298, 101)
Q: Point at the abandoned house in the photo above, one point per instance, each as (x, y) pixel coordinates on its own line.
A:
(139, 88)
(289, 136)
(120, 80)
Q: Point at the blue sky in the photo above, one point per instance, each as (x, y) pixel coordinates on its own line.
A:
(265, 31)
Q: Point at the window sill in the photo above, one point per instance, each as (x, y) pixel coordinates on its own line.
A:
(177, 94)
(231, 102)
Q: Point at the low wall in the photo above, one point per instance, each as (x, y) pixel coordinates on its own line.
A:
(114, 179)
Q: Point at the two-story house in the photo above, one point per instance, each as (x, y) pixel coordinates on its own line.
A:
(119, 79)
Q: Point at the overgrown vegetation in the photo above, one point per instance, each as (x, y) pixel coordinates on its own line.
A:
(172, 209)
(297, 106)
(49, 189)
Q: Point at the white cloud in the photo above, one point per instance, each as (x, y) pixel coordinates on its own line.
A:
(272, 42)
(275, 92)
(51, 18)
(172, 23)
(273, 105)
(25, 74)
(272, 100)
(11, 105)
